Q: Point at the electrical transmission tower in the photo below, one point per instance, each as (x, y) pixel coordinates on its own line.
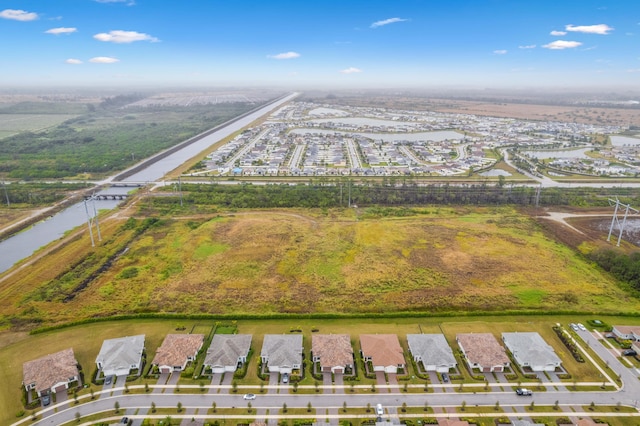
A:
(616, 221)
(92, 219)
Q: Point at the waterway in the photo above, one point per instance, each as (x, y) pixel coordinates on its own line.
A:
(25, 243)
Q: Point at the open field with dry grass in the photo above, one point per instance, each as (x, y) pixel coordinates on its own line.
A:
(439, 259)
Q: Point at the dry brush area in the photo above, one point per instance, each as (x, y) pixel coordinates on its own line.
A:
(263, 262)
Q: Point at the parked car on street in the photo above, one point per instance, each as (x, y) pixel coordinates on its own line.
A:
(249, 396)
(629, 352)
(524, 392)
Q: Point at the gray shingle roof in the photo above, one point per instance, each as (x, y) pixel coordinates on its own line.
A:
(432, 348)
(121, 352)
(282, 349)
(530, 348)
(225, 349)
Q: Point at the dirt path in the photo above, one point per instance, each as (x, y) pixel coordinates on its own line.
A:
(561, 217)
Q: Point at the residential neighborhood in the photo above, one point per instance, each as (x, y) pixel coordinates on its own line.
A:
(286, 359)
(309, 139)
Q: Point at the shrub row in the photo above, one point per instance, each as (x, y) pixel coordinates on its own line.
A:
(568, 343)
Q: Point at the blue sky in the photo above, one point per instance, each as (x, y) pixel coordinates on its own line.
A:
(372, 43)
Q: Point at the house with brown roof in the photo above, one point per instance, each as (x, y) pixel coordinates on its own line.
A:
(51, 373)
(383, 350)
(332, 351)
(627, 332)
(176, 351)
(482, 351)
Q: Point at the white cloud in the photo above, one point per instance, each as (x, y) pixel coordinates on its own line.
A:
(500, 52)
(351, 70)
(589, 29)
(103, 60)
(558, 33)
(528, 46)
(387, 22)
(18, 15)
(61, 30)
(73, 61)
(119, 36)
(562, 44)
(285, 55)
(634, 70)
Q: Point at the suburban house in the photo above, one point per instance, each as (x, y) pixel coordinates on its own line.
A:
(176, 351)
(383, 350)
(530, 350)
(227, 352)
(282, 352)
(627, 332)
(51, 373)
(119, 356)
(332, 351)
(433, 351)
(482, 351)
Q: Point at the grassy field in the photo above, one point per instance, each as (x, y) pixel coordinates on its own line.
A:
(11, 124)
(339, 261)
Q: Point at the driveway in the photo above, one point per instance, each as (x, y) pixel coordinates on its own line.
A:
(327, 382)
(162, 380)
(274, 379)
(338, 382)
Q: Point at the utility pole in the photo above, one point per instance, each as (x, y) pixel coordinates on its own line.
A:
(92, 219)
(86, 209)
(95, 217)
(6, 194)
(615, 219)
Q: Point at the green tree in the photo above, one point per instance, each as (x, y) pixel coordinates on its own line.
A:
(284, 407)
(116, 407)
(153, 407)
(179, 406)
(309, 406)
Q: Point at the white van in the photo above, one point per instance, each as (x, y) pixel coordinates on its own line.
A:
(379, 410)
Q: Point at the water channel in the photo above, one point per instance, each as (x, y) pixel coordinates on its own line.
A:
(25, 243)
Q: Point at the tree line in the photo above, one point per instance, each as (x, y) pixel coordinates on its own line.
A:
(337, 193)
